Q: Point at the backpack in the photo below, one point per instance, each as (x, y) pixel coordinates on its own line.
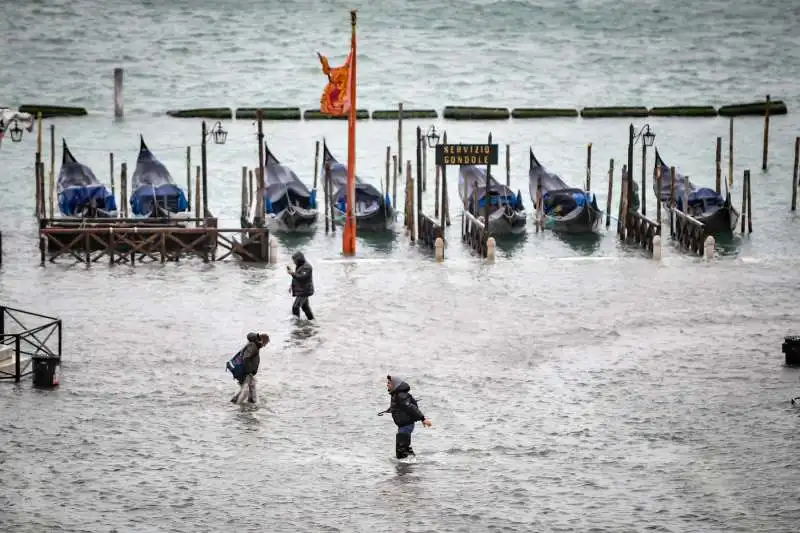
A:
(236, 366)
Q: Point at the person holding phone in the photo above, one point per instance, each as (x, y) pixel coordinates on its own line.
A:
(302, 285)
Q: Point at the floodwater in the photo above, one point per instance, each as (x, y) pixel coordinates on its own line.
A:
(573, 385)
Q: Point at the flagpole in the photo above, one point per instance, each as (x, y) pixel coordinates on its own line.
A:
(349, 233)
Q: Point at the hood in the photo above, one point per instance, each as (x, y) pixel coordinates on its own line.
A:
(398, 385)
(252, 337)
(298, 258)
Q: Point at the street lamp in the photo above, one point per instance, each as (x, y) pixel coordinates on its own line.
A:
(219, 134)
(432, 136)
(14, 131)
(648, 138)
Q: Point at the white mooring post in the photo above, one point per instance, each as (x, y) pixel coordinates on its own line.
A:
(118, 107)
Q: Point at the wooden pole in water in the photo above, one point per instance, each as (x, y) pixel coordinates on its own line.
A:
(259, 216)
(749, 206)
(250, 190)
(204, 167)
(436, 198)
(118, 101)
(659, 180)
(730, 152)
(243, 209)
(400, 136)
(316, 163)
(589, 167)
(719, 165)
(508, 165)
(52, 185)
(410, 194)
(198, 204)
(189, 176)
(38, 160)
(445, 200)
(420, 151)
(744, 199)
(485, 195)
(394, 181)
(123, 189)
(325, 197)
(111, 171)
(766, 135)
(424, 142)
(671, 197)
(622, 191)
(644, 178)
(610, 191)
(388, 170)
(794, 172)
(329, 179)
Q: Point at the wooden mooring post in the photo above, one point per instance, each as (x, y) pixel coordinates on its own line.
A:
(588, 183)
(428, 229)
(795, 172)
(610, 192)
(747, 212)
(765, 151)
(718, 163)
(189, 177)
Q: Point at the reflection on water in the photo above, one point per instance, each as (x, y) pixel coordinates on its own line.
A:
(510, 244)
(582, 244)
(728, 245)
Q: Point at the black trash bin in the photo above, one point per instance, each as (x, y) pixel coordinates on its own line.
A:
(45, 371)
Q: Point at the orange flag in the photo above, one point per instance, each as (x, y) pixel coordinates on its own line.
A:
(335, 98)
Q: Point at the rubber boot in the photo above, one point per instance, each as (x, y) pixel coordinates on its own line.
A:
(402, 442)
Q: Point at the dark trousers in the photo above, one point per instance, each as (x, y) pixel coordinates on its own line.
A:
(301, 302)
(402, 442)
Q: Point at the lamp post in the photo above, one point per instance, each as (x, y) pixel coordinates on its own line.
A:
(432, 137)
(15, 132)
(220, 137)
(648, 137)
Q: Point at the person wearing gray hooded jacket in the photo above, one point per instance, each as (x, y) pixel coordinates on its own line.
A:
(302, 285)
(405, 413)
(251, 359)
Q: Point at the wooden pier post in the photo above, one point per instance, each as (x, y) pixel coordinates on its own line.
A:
(250, 190)
(51, 189)
(659, 182)
(326, 195)
(644, 178)
(388, 172)
(245, 202)
(113, 177)
(620, 212)
(259, 217)
(37, 161)
(765, 151)
(198, 200)
(749, 204)
(394, 181)
(671, 198)
(486, 198)
(329, 200)
(445, 194)
(589, 167)
(436, 195)
(610, 192)
(189, 176)
(719, 165)
(410, 203)
(123, 189)
(316, 163)
(400, 136)
(508, 165)
(42, 178)
(420, 151)
(424, 142)
(730, 152)
(118, 101)
(204, 167)
(794, 172)
(744, 199)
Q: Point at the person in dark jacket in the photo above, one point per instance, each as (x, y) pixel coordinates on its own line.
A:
(405, 414)
(251, 359)
(302, 285)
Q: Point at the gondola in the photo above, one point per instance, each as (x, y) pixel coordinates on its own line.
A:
(506, 212)
(566, 209)
(154, 192)
(705, 205)
(80, 193)
(373, 210)
(288, 204)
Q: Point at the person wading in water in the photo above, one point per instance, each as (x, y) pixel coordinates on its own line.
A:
(302, 285)
(405, 413)
(251, 359)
